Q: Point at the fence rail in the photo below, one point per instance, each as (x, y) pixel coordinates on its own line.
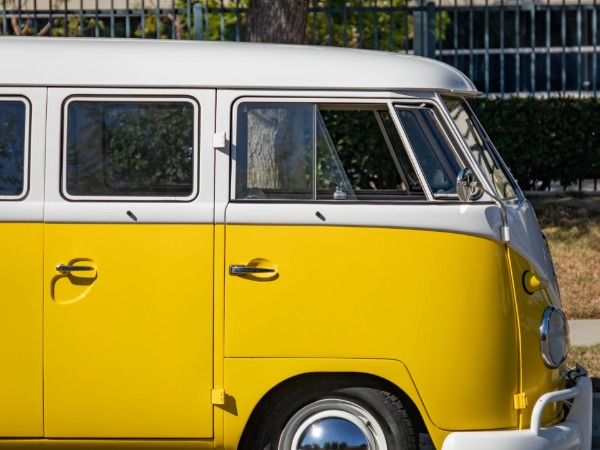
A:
(507, 48)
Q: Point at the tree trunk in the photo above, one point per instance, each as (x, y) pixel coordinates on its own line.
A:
(277, 21)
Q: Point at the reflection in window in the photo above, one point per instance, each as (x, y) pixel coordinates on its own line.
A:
(12, 148)
(484, 154)
(325, 152)
(138, 149)
(434, 153)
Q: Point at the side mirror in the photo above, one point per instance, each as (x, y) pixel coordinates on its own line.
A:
(466, 186)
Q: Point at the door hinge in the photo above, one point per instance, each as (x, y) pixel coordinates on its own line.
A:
(218, 396)
(520, 401)
(219, 141)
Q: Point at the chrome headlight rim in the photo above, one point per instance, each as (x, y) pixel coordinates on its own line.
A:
(546, 337)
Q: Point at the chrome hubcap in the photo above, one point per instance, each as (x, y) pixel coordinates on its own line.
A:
(335, 424)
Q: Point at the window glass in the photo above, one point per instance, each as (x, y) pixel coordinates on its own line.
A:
(274, 151)
(12, 148)
(130, 148)
(439, 163)
(482, 150)
(321, 152)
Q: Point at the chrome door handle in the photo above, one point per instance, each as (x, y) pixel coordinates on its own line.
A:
(62, 268)
(240, 271)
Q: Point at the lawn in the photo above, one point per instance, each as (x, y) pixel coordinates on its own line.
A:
(589, 358)
(572, 225)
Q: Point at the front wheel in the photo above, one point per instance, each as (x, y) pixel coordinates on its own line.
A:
(354, 418)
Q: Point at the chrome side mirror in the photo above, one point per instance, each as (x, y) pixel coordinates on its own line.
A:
(466, 185)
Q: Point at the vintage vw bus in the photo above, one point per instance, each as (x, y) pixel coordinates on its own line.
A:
(211, 245)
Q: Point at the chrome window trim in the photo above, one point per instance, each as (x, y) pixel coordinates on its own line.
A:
(26, 146)
(460, 140)
(130, 98)
(441, 117)
(313, 98)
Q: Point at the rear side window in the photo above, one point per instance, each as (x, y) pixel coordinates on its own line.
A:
(13, 148)
(310, 151)
(131, 148)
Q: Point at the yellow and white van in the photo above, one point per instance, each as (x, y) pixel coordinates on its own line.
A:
(234, 246)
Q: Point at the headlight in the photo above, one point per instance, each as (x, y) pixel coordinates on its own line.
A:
(554, 337)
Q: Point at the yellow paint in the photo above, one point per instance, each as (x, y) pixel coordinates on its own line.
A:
(536, 378)
(218, 341)
(129, 353)
(218, 396)
(441, 303)
(112, 444)
(533, 282)
(131, 350)
(520, 401)
(251, 378)
(21, 329)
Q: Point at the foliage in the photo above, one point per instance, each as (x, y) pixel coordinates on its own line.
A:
(382, 24)
(12, 147)
(159, 159)
(544, 139)
(374, 24)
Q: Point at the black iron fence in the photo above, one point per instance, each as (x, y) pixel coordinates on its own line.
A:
(505, 47)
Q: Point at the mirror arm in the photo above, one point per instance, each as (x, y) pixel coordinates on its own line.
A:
(504, 229)
(466, 184)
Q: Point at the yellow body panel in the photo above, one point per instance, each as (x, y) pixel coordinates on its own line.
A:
(128, 353)
(440, 303)
(21, 405)
(112, 444)
(249, 379)
(536, 378)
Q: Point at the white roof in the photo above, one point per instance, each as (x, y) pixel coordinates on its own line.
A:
(151, 63)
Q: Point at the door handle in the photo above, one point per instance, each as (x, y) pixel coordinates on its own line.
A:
(240, 270)
(63, 269)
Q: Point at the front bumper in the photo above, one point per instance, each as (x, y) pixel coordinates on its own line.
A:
(575, 433)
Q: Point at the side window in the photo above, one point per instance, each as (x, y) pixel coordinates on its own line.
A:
(481, 148)
(439, 163)
(13, 148)
(131, 148)
(309, 151)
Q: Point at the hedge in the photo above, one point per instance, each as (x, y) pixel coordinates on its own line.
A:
(544, 140)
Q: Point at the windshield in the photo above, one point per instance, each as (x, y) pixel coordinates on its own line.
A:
(482, 149)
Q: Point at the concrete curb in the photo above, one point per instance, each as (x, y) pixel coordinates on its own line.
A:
(596, 421)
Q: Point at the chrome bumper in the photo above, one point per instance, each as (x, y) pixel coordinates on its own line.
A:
(575, 433)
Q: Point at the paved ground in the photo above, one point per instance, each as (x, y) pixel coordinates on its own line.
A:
(584, 332)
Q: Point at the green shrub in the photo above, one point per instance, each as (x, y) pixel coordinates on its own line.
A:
(544, 140)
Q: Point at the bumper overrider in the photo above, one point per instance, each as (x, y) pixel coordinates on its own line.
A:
(574, 433)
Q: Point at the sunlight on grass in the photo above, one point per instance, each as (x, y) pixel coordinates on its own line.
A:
(572, 226)
(589, 358)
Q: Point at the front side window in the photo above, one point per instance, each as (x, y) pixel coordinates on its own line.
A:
(13, 151)
(481, 149)
(439, 163)
(309, 151)
(130, 148)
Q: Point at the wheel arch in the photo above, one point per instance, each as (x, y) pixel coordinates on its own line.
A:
(321, 382)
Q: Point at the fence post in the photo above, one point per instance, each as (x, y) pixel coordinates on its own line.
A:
(424, 30)
(198, 29)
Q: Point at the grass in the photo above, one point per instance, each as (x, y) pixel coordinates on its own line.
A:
(572, 225)
(589, 358)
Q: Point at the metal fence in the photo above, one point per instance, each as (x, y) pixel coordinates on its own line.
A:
(506, 47)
